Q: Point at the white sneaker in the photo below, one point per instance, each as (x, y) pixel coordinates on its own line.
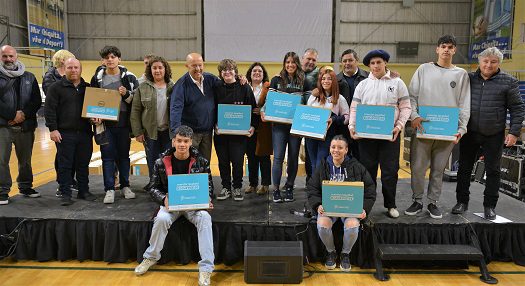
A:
(204, 278)
(393, 213)
(144, 266)
(110, 197)
(127, 193)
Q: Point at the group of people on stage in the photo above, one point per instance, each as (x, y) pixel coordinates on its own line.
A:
(176, 122)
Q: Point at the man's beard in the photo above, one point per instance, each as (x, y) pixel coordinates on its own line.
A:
(9, 66)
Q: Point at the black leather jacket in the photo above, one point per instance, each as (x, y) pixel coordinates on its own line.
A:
(489, 102)
(159, 185)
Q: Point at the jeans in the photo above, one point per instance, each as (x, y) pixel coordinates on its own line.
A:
(349, 236)
(116, 152)
(154, 148)
(425, 153)
(254, 162)
(230, 149)
(73, 156)
(281, 138)
(374, 153)
(318, 150)
(202, 141)
(468, 148)
(23, 142)
(200, 218)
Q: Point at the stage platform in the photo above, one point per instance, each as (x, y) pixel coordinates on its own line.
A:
(120, 232)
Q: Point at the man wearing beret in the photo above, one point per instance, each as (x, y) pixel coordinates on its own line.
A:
(437, 84)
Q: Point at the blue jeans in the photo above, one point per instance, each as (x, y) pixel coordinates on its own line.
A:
(202, 221)
(318, 150)
(154, 148)
(281, 138)
(116, 153)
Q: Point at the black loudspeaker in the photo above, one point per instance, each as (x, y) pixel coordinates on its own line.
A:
(276, 262)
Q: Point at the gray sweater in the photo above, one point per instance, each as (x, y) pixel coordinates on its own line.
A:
(436, 86)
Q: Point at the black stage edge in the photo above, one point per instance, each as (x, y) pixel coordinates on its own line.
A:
(120, 232)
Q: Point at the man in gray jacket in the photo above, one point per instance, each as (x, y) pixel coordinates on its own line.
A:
(492, 93)
(435, 84)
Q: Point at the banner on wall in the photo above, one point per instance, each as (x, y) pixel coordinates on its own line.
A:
(45, 24)
(491, 24)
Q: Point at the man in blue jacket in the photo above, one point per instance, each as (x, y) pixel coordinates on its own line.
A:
(493, 92)
(192, 103)
(19, 101)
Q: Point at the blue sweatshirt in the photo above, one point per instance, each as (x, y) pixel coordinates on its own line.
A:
(188, 106)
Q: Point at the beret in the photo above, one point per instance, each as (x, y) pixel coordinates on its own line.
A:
(376, 54)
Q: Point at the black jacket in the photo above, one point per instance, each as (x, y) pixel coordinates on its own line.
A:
(50, 78)
(235, 93)
(63, 107)
(489, 102)
(159, 185)
(348, 91)
(354, 172)
(130, 82)
(24, 94)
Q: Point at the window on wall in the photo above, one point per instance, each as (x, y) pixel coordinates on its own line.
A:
(255, 30)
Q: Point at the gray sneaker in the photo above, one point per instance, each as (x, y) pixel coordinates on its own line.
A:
(238, 194)
(224, 194)
(204, 278)
(144, 266)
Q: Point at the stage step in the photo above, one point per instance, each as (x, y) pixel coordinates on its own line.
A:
(417, 252)
(428, 252)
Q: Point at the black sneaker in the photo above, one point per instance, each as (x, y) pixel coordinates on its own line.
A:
(74, 187)
(66, 201)
(414, 209)
(88, 196)
(288, 195)
(30, 193)
(331, 262)
(4, 199)
(277, 196)
(58, 194)
(460, 208)
(345, 262)
(434, 211)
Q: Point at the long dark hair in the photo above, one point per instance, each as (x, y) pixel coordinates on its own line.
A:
(167, 68)
(298, 76)
(249, 72)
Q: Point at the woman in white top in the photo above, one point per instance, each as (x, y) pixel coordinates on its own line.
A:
(380, 88)
(326, 95)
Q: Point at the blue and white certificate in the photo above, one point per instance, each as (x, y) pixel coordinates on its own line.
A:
(374, 121)
(188, 192)
(280, 106)
(234, 119)
(310, 121)
(342, 199)
(441, 122)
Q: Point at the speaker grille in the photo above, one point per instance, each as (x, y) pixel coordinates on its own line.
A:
(274, 268)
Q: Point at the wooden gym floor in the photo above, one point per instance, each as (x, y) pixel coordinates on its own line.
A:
(101, 273)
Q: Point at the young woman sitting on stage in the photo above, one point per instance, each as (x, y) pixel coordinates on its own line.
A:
(339, 167)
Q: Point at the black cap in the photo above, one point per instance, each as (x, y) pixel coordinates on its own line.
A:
(376, 54)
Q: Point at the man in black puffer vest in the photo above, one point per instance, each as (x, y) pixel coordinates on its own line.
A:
(492, 93)
(19, 101)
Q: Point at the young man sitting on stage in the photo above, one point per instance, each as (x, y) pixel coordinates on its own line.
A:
(182, 158)
(342, 168)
